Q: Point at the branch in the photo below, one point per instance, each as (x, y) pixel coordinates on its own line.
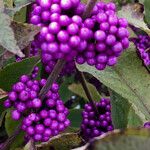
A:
(32, 146)
(88, 9)
(11, 139)
(87, 91)
(52, 78)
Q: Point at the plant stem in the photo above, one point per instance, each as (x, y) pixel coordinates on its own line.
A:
(52, 78)
(147, 50)
(11, 139)
(89, 7)
(87, 91)
(32, 146)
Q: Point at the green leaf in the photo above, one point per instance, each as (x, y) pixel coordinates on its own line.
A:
(2, 108)
(10, 126)
(15, 10)
(65, 141)
(8, 3)
(120, 111)
(64, 92)
(11, 73)
(78, 89)
(20, 16)
(134, 120)
(128, 78)
(123, 114)
(2, 117)
(147, 10)
(75, 117)
(134, 16)
(22, 2)
(7, 37)
(130, 139)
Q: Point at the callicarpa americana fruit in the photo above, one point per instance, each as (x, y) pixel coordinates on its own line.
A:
(98, 40)
(147, 125)
(142, 43)
(94, 125)
(59, 36)
(44, 119)
(106, 36)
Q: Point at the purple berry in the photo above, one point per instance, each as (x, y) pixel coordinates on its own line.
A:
(12, 96)
(36, 103)
(15, 114)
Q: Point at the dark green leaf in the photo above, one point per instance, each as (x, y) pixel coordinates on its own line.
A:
(64, 92)
(147, 10)
(11, 73)
(120, 111)
(75, 117)
(10, 126)
(2, 108)
(123, 114)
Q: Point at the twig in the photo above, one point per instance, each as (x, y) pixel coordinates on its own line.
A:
(87, 91)
(32, 146)
(147, 50)
(52, 78)
(11, 139)
(89, 7)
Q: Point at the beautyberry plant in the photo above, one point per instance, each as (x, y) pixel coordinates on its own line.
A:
(73, 35)
(143, 48)
(41, 119)
(94, 125)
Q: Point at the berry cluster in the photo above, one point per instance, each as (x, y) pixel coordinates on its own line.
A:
(147, 125)
(93, 125)
(59, 36)
(45, 119)
(143, 46)
(97, 40)
(107, 37)
(35, 72)
(35, 45)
